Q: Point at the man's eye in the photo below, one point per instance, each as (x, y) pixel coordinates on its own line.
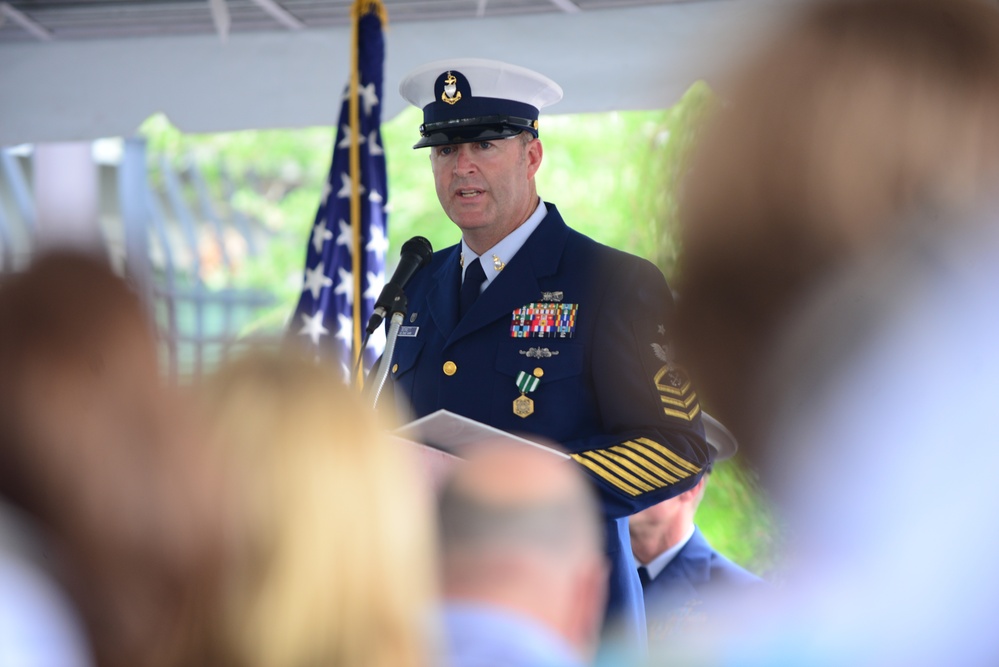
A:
(444, 150)
(485, 144)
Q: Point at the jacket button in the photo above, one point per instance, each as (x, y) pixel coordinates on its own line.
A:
(450, 368)
(395, 367)
(538, 372)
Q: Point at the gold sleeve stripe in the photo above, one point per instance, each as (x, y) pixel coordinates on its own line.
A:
(672, 456)
(607, 461)
(678, 402)
(632, 468)
(686, 416)
(652, 462)
(680, 473)
(637, 466)
(627, 488)
(645, 468)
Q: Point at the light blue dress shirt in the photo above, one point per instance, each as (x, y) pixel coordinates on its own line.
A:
(483, 636)
(494, 259)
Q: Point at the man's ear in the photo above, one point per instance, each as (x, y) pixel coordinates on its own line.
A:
(535, 152)
(587, 603)
(693, 494)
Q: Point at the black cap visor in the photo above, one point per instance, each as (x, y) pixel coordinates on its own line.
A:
(468, 130)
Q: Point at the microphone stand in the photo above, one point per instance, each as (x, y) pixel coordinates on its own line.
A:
(416, 253)
(399, 306)
(360, 360)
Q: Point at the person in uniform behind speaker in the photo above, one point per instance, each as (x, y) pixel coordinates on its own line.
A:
(531, 327)
(686, 582)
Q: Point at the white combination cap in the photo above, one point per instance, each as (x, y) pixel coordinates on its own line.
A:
(471, 99)
(719, 437)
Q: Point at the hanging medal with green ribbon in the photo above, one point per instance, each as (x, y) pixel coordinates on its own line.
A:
(526, 383)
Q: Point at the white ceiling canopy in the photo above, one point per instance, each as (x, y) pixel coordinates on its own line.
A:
(83, 69)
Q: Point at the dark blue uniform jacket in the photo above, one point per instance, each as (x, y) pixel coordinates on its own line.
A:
(691, 588)
(592, 324)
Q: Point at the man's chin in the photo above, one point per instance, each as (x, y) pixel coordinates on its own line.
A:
(469, 223)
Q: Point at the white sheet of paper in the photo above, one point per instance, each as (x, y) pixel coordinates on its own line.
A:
(455, 434)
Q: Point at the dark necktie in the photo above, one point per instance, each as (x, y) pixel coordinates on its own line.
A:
(643, 576)
(470, 287)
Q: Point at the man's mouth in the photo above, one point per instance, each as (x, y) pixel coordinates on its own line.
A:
(469, 193)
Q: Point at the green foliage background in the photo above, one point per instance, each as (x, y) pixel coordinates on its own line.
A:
(614, 176)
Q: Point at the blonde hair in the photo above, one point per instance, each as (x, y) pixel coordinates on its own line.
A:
(857, 118)
(331, 536)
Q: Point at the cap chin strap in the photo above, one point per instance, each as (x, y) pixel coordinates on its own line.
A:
(427, 129)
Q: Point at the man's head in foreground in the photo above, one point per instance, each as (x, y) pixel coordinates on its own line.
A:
(521, 534)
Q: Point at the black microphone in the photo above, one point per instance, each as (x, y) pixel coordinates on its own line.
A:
(415, 254)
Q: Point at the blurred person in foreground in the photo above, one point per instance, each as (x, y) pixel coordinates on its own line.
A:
(39, 625)
(524, 574)
(329, 535)
(852, 324)
(851, 119)
(897, 569)
(95, 457)
(685, 581)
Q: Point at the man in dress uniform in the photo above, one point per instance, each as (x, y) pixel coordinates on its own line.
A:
(686, 581)
(530, 327)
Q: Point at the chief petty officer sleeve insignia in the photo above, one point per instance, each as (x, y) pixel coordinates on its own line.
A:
(675, 391)
(673, 387)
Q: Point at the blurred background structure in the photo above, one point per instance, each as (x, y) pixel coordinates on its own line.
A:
(84, 165)
(179, 242)
(82, 69)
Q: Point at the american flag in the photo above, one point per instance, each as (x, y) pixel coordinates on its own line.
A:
(345, 257)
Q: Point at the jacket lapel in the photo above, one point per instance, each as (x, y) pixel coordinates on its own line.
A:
(442, 297)
(517, 284)
(695, 558)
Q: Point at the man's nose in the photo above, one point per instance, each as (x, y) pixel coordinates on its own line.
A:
(464, 162)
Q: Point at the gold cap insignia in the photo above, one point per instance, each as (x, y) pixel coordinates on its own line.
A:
(451, 93)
